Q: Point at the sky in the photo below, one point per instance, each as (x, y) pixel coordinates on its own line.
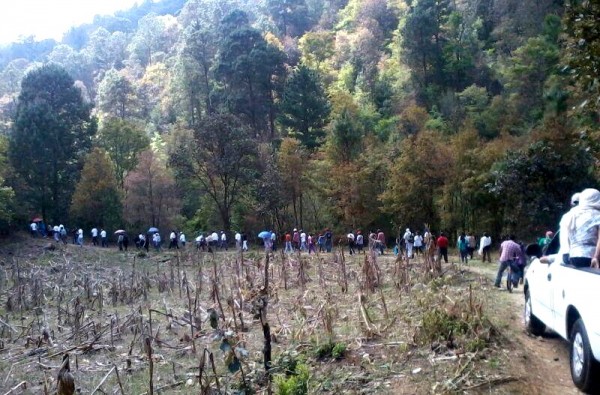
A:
(51, 18)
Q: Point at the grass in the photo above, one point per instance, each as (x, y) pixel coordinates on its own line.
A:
(320, 326)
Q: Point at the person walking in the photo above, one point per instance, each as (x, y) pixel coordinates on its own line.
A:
(321, 242)
(103, 238)
(350, 238)
(471, 244)
(303, 245)
(238, 240)
(418, 244)
(463, 248)
(80, 237)
(94, 234)
(509, 251)
(245, 241)
(288, 244)
(442, 244)
(409, 240)
(360, 242)
(328, 240)
(182, 239)
(296, 240)
(485, 245)
(274, 241)
(173, 240)
(120, 241)
(381, 241)
(311, 244)
(34, 229)
(223, 244)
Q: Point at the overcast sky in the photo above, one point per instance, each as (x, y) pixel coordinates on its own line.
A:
(51, 18)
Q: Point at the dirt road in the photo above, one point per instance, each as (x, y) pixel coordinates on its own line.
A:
(542, 361)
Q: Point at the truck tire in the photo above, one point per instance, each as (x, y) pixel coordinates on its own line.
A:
(533, 324)
(584, 367)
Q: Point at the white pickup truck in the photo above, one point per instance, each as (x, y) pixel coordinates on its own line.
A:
(566, 300)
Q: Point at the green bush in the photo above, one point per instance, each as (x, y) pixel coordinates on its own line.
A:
(293, 384)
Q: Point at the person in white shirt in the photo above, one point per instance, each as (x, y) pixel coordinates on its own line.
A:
(238, 240)
(303, 246)
(350, 237)
(34, 229)
(173, 240)
(142, 241)
(182, 239)
(244, 242)
(58, 232)
(485, 244)
(409, 240)
(80, 237)
(94, 233)
(103, 239)
(223, 240)
(360, 242)
(564, 232)
(418, 244)
(214, 240)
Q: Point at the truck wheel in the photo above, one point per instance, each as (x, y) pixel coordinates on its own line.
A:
(584, 368)
(533, 324)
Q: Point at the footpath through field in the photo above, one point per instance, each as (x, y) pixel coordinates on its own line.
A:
(542, 361)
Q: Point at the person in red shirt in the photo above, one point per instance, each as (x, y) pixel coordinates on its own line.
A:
(442, 243)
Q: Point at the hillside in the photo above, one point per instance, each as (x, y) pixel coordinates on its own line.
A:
(298, 113)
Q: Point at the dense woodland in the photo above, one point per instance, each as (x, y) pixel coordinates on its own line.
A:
(474, 115)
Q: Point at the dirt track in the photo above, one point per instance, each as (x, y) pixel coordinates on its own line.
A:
(543, 362)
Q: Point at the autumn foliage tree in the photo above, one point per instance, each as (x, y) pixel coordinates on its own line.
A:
(221, 158)
(97, 199)
(150, 194)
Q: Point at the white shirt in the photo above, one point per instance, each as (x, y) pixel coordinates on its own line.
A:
(584, 236)
(564, 233)
(418, 241)
(33, 226)
(214, 236)
(172, 236)
(223, 237)
(182, 237)
(56, 228)
(350, 236)
(94, 232)
(199, 239)
(238, 236)
(103, 233)
(273, 236)
(141, 237)
(406, 237)
(303, 237)
(359, 239)
(80, 232)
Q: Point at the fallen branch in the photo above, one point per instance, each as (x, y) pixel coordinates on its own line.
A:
(21, 386)
(102, 381)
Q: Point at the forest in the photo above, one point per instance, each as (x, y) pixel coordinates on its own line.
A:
(477, 116)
